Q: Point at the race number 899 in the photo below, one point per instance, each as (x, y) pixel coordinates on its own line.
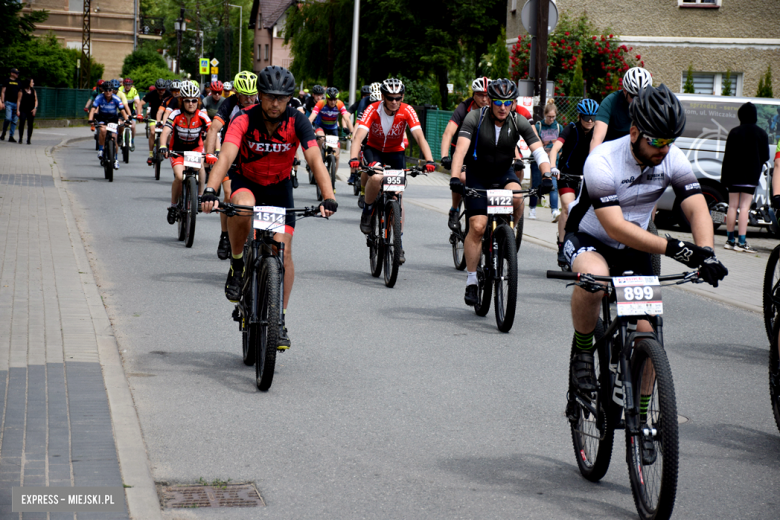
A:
(637, 293)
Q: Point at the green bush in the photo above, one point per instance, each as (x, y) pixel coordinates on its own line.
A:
(145, 76)
(688, 87)
(48, 63)
(143, 56)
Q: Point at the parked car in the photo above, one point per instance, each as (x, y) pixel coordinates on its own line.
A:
(709, 121)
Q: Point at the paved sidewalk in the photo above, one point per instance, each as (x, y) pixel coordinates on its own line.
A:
(64, 417)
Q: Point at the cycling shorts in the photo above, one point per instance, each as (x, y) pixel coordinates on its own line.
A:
(395, 160)
(106, 118)
(327, 131)
(568, 186)
(478, 205)
(279, 195)
(618, 260)
(750, 190)
(180, 160)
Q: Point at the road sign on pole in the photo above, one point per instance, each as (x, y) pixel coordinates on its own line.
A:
(214, 70)
(214, 62)
(214, 77)
(204, 66)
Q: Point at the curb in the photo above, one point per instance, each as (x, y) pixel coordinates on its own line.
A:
(142, 500)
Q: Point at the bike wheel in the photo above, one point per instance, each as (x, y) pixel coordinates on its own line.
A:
(655, 258)
(157, 161)
(456, 239)
(774, 374)
(593, 435)
(270, 316)
(376, 248)
(332, 170)
(180, 216)
(392, 242)
(126, 137)
(248, 342)
(356, 186)
(485, 290)
(147, 130)
(652, 455)
(110, 155)
(505, 296)
(519, 232)
(771, 292)
(190, 211)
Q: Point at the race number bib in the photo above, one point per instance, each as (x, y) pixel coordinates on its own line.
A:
(269, 218)
(499, 202)
(638, 295)
(111, 127)
(193, 159)
(332, 141)
(394, 180)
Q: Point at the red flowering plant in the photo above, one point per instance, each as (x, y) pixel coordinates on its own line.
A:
(604, 58)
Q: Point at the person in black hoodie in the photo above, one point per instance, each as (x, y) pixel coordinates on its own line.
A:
(747, 149)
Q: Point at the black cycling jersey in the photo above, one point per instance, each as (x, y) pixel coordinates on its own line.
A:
(575, 150)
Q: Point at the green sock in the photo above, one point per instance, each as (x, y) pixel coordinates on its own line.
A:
(644, 404)
(239, 256)
(584, 341)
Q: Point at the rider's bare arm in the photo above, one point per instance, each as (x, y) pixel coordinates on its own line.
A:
(599, 133)
(357, 140)
(698, 214)
(628, 233)
(418, 135)
(446, 139)
(212, 135)
(557, 145)
(461, 148)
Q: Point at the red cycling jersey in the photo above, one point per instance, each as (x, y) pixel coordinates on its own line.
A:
(187, 136)
(386, 133)
(268, 159)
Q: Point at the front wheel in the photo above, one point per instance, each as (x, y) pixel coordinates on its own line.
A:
(456, 239)
(270, 313)
(505, 297)
(180, 208)
(332, 170)
(771, 292)
(190, 211)
(656, 258)
(774, 374)
(317, 186)
(519, 232)
(108, 159)
(376, 249)
(157, 161)
(485, 288)
(653, 452)
(392, 242)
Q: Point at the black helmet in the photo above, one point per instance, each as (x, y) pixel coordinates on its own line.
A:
(502, 89)
(106, 86)
(276, 80)
(365, 90)
(318, 90)
(160, 84)
(332, 93)
(656, 112)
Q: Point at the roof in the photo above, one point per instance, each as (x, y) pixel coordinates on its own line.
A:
(269, 10)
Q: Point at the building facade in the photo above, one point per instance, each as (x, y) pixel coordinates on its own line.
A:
(112, 28)
(268, 19)
(712, 36)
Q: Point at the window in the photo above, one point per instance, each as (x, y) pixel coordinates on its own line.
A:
(514, 6)
(711, 83)
(259, 51)
(266, 52)
(706, 4)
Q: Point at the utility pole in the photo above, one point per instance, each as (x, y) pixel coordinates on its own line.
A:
(179, 26)
(86, 45)
(200, 37)
(226, 39)
(240, 30)
(543, 15)
(354, 54)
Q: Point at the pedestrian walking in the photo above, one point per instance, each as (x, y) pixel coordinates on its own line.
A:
(548, 130)
(8, 96)
(747, 149)
(26, 107)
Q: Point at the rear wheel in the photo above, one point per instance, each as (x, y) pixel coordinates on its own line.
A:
(519, 232)
(108, 159)
(771, 292)
(126, 137)
(652, 454)
(456, 239)
(332, 170)
(191, 210)
(485, 288)
(392, 244)
(248, 347)
(774, 374)
(376, 251)
(656, 258)
(270, 322)
(505, 298)
(157, 161)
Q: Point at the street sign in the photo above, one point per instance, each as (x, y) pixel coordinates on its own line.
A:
(214, 70)
(214, 62)
(528, 16)
(450, 88)
(204, 66)
(214, 77)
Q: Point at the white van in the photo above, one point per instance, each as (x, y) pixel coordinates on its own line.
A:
(709, 119)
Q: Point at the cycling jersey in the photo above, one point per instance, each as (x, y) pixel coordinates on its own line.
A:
(359, 106)
(211, 106)
(122, 98)
(108, 107)
(131, 94)
(614, 112)
(613, 178)
(295, 103)
(329, 116)
(268, 159)
(152, 99)
(386, 133)
(187, 136)
(227, 110)
(458, 116)
(575, 149)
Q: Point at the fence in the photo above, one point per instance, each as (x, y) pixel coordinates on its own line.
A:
(61, 103)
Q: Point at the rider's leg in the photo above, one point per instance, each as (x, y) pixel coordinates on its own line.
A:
(373, 184)
(223, 220)
(585, 306)
(566, 199)
(289, 266)
(744, 211)
(472, 246)
(731, 215)
(517, 201)
(102, 137)
(240, 226)
(178, 176)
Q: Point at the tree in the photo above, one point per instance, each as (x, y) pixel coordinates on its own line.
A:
(146, 75)
(48, 63)
(765, 84)
(500, 68)
(577, 86)
(726, 84)
(688, 87)
(143, 56)
(17, 28)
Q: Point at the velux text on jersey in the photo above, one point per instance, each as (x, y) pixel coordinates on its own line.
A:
(269, 147)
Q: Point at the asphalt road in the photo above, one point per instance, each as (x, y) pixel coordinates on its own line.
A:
(398, 403)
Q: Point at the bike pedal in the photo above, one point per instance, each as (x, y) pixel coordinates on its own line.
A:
(236, 314)
(572, 411)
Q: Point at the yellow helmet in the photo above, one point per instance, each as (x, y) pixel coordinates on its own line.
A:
(245, 83)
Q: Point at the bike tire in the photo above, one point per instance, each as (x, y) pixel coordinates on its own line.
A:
(356, 186)
(125, 146)
(485, 289)
(392, 244)
(332, 170)
(593, 455)
(656, 258)
(270, 316)
(157, 162)
(458, 250)
(770, 289)
(774, 374)
(180, 217)
(109, 165)
(147, 130)
(248, 342)
(191, 211)
(654, 495)
(505, 294)
(376, 250)
(519, 232)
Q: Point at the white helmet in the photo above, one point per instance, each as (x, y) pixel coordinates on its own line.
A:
(480, 84)
(228, 85)
(376, 94)
(189, 90)
(392, 86)
(636, 79)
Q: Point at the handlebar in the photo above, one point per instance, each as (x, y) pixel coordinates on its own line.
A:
(473, 192)
(589, 279)
(414, 172)
(232, 210)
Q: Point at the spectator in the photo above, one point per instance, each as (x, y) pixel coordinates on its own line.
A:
(747, 149)
(26, 107)
(774, 125)
(548, 131)
(8, 96)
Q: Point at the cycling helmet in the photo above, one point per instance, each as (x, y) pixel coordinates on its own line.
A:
(195, 82)
(115, 84)
(376, 94)
(216, 86)
(332, 93)
(587, 107)
(128, 81)
(636, 79)
(161, 84)
(392, 86)
(245, 83)
(106, 86)
(189, 89)
(276, 80)
(175, 85)
(480, 84)
(152, 88)
(228, 86)
(502, 89)
(100, 82)
(656, 112)
(318, 90)
(365, 90)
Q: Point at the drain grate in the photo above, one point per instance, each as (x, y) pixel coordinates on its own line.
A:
(231, 495)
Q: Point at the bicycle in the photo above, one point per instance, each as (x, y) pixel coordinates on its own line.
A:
(634, 392)
(109, 150)
(260, 309)
(126, 141)
(188, 206)
(329, 158)
(771, 287)
(157, 158)
(384, 240)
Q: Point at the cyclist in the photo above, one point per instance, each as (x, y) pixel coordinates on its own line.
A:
(373, 97)
(360, 105)
(317, 93)
(478, 100)
(246, 87)
(212, 102)
(573, 145)
(327, 113)
(186, 126)
(264, 138)
(153, 99)
(171, 100)
(613, 120)
(96, 91)
(486, 142)
(134, 106)
(385, 123)
(107, 109)
(227, 89)
(606, 231)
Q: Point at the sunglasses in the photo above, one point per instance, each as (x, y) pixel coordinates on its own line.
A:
(394, 99)
(505, 103)
(275, 97)
(587, 119)
(659, 143)
(195, 101)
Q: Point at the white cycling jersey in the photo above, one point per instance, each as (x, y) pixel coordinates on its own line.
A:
(612, 177)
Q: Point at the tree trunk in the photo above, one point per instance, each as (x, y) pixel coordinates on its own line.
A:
(331, 43)
(441, 75)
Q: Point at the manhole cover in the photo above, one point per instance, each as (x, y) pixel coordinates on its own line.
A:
(231, 495)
